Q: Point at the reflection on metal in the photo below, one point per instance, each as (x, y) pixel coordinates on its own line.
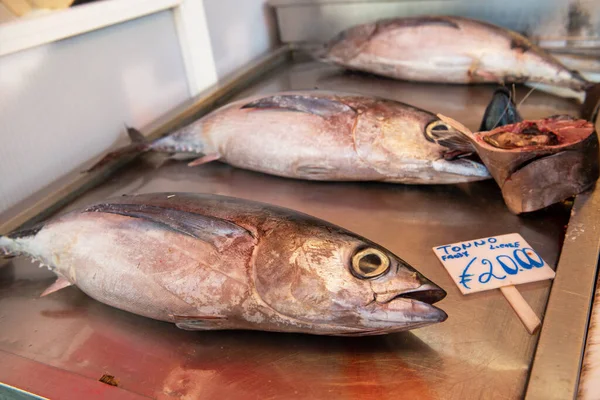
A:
(481, 349)
(555, 370)
(13, 393)
(589, 380)
(26, 379)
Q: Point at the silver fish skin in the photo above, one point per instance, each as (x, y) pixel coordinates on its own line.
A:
(326, 136)
(447, 49)
(209, 262)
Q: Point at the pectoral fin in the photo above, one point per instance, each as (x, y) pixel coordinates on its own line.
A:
(315, 171)
(204, 159)
(215, 231)
(477, 74)
(198, 322)
(457, 144)
(60, 283)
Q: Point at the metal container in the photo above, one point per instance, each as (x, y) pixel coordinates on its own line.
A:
(61, 345)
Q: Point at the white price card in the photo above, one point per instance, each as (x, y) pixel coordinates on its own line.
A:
(493, 262)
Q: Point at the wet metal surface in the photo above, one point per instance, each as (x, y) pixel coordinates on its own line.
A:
(482, 351)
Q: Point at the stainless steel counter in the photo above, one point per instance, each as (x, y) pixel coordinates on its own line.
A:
(60, 345)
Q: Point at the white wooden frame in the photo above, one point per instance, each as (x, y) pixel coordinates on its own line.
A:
(189, 17)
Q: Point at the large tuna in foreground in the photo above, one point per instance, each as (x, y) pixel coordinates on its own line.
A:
(327, 136)
(209, 262)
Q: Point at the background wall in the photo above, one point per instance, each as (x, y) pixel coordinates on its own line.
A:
(64, 104)
(314, 20)
(240, 31)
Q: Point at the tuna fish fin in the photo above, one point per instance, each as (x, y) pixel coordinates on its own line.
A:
(591, 104)
(139, 145)
(135, 136)
(323, 107)
(388, 24)
(218, 232)
(456, 143)
(197, 322)
(26, 232)
(204, 159)
(60, 283)
(7, 247)
(500, 111)
(314, 171)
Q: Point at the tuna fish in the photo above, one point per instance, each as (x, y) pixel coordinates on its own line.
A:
(209, 262)
(448, 49)
(328, 136)
(536, 163)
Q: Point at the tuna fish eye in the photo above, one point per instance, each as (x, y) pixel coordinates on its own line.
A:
(370, 263)
(435, 130)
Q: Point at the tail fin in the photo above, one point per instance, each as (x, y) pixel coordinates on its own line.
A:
(139, 144)
(591, 104)
(8, 248)
(11, 245)
(500, 111)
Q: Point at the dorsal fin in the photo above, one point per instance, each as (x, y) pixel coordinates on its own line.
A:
(411, 22)
(215, 231)
(134, 135)
(323, 107)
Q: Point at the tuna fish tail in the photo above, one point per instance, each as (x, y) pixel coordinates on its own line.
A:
(139, 144)
(12, 245)
(16, 243)
(8, 247)
(591, 104)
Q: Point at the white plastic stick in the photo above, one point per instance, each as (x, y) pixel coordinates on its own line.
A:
(523, 310)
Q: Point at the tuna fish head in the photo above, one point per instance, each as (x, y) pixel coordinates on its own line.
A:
(414, 145)
(337, 283)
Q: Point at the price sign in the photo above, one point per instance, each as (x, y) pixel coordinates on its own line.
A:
(497, 262)
(493, 262)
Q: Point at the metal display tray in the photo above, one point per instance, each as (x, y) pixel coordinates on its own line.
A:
(59, 346)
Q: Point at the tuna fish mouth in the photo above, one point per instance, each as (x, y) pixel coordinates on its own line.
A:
(463, 167)
(427, 293)
(389, 313)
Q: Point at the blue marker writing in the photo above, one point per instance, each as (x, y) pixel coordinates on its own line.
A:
(506, 267)
(533, 259)
(486, 276)
(464, 277)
